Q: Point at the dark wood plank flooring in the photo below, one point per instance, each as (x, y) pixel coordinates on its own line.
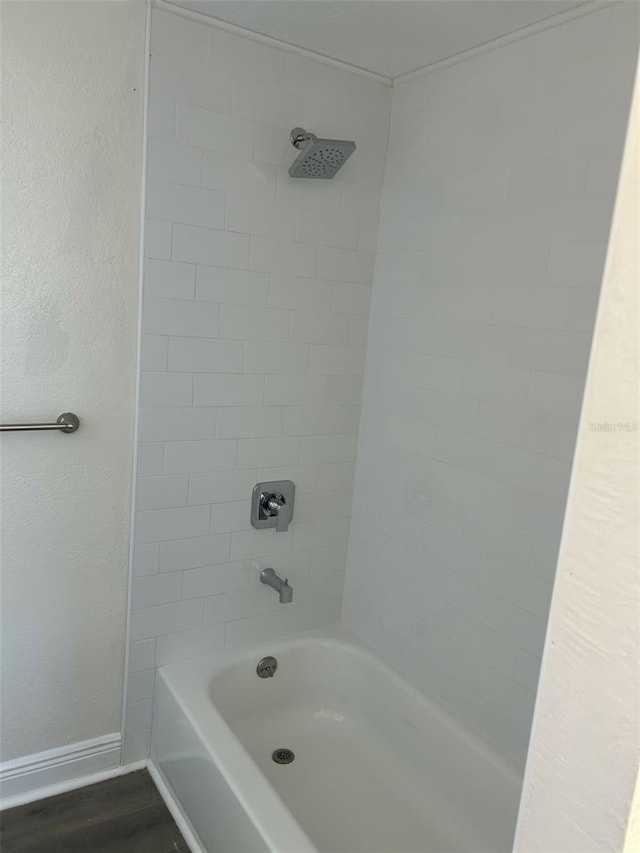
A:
(121, 815)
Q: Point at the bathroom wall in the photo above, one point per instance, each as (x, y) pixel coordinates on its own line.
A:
(72, 166)
(584, 756)
(496, 206)
(256, 302)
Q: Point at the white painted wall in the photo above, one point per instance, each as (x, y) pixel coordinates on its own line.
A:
(72, 93)
(585, 746)
(256, 302)
(497, 199)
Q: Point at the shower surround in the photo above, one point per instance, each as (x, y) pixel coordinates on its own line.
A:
(255, 310)
(498, 188)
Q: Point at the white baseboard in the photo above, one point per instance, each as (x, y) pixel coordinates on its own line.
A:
(177, 814)
(45, 774)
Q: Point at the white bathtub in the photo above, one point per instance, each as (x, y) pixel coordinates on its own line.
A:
(377, 766)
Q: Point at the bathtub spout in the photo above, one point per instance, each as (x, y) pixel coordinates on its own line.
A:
(282, 587)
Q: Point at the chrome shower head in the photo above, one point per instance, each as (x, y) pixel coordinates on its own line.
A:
(319, 158)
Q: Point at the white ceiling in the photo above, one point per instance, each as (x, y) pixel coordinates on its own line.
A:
(388, 37)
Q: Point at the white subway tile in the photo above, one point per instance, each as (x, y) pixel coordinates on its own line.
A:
(233, 174)
(145, 559)
(140, 686)
(328, 229)
(546, 178)
(576, 265)
(150, 459)
(346, 390)
(266, 101)
(203, 355)
(188, 80)
(142, 655)
(267, 357)
(319, 449)
(237, 604)
(495, 384)
(214, 131)
(154, 351)
(299, 294)
(156, 589)
(317, 195)
(345, 265)
(231, 516)
(168, 161)
(583, 307)
(183, 645)
(199, 456)
(206, 246)
(214, 580)
(554, 350)
(159, 525)
(157, 239)
(318, 328)
(254, 324)
(472, 189)
(162, 118)
(161, 492)
(294, 390)
(304, 476)
(268, 452)
(341, 360)
(175, 202)
(234, 287)
(249, 544)
(169, 279)
(255, 629)
(166, 619)
(177, 36)
(351, 299)
(176, 424)
(321, 534)
(281, 257)
(358, 331)
(545, 307)
(312, 420)
(260, 217)
(220, 389)
(166, 389)
(558, 393)
(180, 317)
(220, 486)
(526, 669)
(182, 554)
(250, 421)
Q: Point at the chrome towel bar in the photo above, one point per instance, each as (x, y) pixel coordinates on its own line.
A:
(67, 422)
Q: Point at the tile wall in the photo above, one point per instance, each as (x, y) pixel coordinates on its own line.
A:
(498, 192)
(256, 304)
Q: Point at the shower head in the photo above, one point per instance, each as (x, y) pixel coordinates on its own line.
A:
(319, 158)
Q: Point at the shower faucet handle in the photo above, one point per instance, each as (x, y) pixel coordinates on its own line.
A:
(275, 505)
(272, 504)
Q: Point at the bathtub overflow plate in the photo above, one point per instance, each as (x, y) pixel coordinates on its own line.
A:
(267, 667)
(283, 755)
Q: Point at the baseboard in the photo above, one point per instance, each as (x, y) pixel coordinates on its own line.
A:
(44, 774)
(177, 814)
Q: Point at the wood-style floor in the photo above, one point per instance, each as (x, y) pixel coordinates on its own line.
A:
(122, 815)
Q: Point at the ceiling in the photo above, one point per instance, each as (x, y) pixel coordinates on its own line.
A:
(388, 37)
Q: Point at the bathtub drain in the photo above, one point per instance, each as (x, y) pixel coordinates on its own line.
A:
(283, 756)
